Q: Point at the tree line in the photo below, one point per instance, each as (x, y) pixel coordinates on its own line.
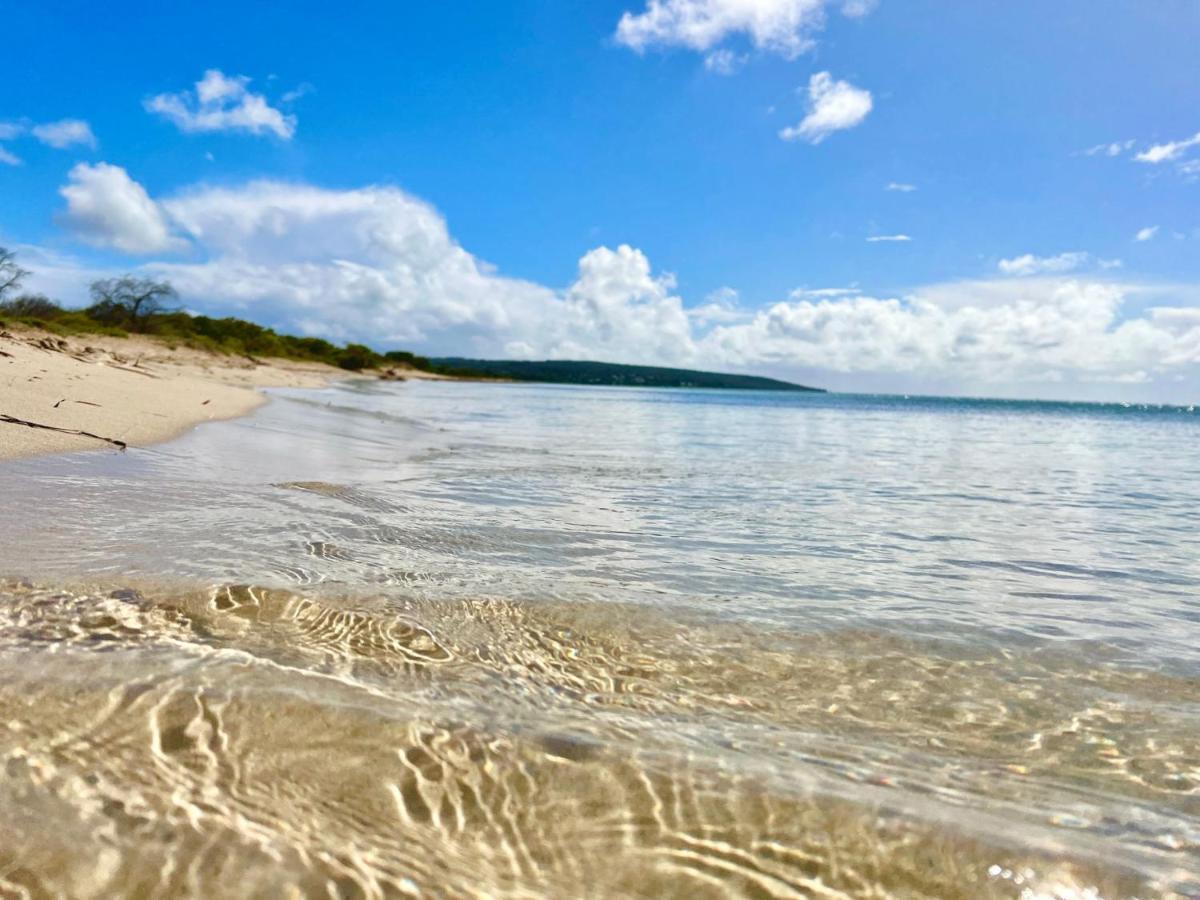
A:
(132, 305)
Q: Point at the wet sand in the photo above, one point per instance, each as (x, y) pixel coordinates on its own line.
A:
(169, 741)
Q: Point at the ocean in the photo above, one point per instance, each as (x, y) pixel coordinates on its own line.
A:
(504, 640)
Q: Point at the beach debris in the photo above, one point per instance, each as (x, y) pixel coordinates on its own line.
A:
(206, 402)
(391, 375)
(13, 420)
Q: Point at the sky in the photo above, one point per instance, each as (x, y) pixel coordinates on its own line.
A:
(994, 198)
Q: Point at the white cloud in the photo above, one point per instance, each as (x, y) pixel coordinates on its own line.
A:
(832, 106)
(856, 9)
(381, 266)
(1115, 148)
(297, 92)
(781, 26)
(8, 158)
(1034, 265)
(107, 208)
(818, 293)
(64, 133)
(10, 130)
(722, 306)
(222, 103)
(900, 187)
(1146, 233)
(1164, 152)
(976, 332)
(889, 238)
(724, 61)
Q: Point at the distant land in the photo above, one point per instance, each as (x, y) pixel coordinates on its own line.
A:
(582, 372)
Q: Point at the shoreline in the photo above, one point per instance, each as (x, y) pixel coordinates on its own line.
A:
(89, 392)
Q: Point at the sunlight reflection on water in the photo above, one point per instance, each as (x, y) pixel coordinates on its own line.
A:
(779, 642)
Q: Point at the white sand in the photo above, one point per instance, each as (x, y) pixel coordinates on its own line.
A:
(137, 390)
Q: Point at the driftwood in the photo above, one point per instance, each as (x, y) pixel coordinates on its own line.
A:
(13, 420)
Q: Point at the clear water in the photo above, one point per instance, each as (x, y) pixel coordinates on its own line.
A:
(505, 640)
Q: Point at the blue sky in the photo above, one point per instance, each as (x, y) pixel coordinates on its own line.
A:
(579, 179)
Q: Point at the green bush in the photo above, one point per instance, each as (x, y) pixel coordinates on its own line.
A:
(31, 306)
(226, 336)
(356, 357)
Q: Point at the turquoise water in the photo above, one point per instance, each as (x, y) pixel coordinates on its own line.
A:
(959, 628)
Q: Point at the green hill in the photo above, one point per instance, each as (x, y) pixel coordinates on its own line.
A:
(582, 372)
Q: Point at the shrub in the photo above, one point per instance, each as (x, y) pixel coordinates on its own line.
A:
(31, 306)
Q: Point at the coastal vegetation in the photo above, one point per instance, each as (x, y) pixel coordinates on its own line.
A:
(133, 305)
(562, 371)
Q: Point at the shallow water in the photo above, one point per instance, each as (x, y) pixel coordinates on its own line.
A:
(501, 640)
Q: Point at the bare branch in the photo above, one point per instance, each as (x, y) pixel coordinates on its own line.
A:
(11, 275)
(128, 301)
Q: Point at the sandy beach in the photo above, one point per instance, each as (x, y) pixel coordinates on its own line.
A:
(106, 391)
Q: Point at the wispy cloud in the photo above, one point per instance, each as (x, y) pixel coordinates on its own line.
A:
(832, 106)
(900, 187)
(1028, 264)
(724, 61)
(888, 238)
(9, 159)
(1146, 234)
(820, 293)
(222, 103)
(300, 90)
(1160, 153)
(65, 133)
(1115, 148)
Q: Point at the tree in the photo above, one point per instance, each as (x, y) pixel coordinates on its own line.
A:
(129, 302)
(11, 274)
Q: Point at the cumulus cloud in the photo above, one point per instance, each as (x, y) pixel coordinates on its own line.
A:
(1029, 264)
(781, 26)
(985, 332)
(65, 133)
(1146, 234)
(832, 106)
(222, 103)
(379, 265)
(721, 306)
(1171, 150)
(107, 208)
